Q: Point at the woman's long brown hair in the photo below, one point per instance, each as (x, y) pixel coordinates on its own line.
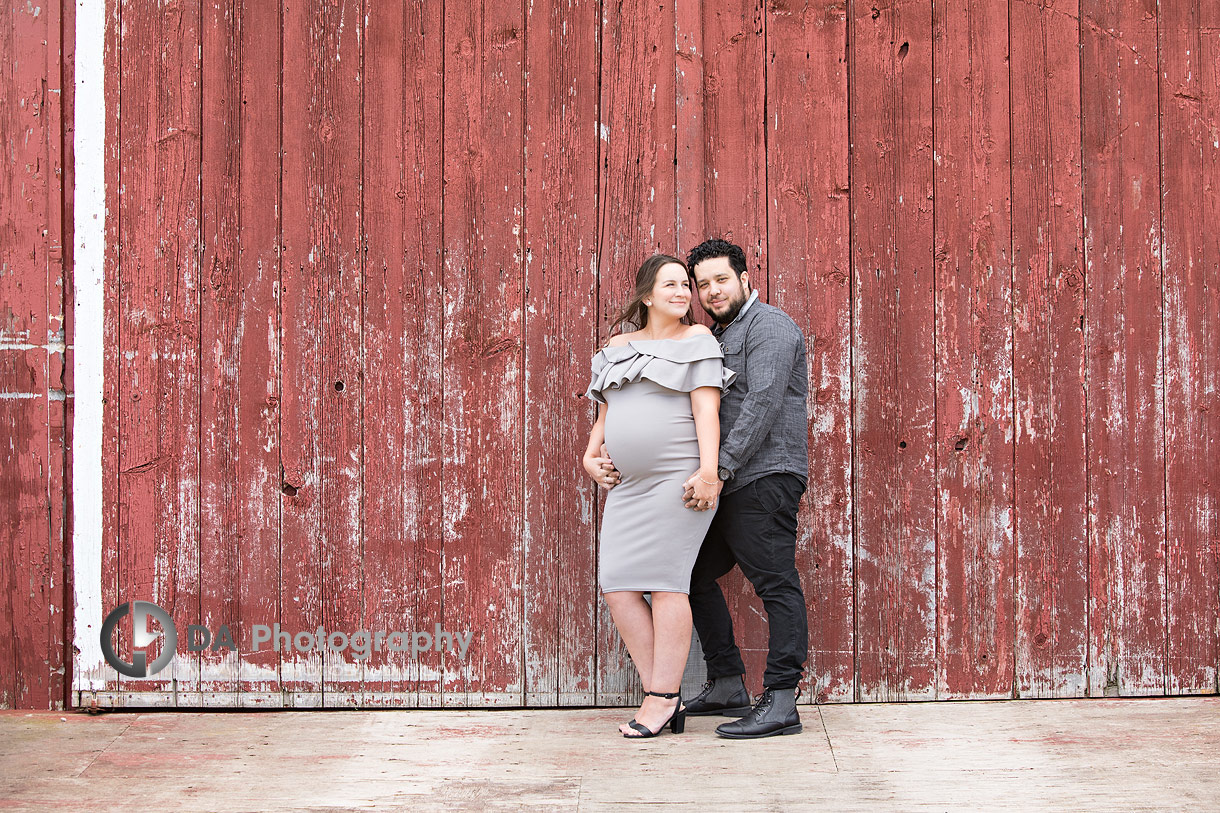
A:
(634, 315)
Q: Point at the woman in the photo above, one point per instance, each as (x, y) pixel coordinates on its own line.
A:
(658, 392)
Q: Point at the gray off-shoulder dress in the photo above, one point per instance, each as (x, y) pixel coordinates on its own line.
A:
(649, 538)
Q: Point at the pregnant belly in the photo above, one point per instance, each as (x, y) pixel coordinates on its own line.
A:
(650, 430)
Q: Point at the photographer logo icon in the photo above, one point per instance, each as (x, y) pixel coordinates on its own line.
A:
(141, 638)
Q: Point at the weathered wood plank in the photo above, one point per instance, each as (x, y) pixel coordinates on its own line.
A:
(483, 343)
(307, 183)
(1190, 158)
(1210, 29)
(561, 150)
(721, 174)
(809, 253)
(64, 486)
(158, 534)
(1048, 354)
(1123, 312)
(111, 322)
(341, 91)
(973, 350)
(690, 141)
(721, 188)
(403, 312)
(239, 324)
(31, 359)
(58, 60)
(894, 462)
(635, 208)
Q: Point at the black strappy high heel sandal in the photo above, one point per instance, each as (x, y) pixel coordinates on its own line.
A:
(676, 721)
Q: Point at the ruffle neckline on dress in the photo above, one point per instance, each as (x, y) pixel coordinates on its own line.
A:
(677, 364)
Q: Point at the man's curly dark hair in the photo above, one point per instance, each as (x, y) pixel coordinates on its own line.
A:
(716, 247)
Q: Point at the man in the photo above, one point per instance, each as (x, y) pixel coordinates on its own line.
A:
(764, 464)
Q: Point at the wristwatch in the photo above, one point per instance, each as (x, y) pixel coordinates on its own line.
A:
(724, 474)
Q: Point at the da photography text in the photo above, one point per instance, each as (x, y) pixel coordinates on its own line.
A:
(361, 643)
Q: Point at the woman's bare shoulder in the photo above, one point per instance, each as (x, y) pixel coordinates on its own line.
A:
(620, 339)
(696, 330)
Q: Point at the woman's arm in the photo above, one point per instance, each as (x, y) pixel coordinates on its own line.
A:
(600, 469)
(705, 404)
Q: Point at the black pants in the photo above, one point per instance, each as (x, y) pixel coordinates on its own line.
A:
(754, 527)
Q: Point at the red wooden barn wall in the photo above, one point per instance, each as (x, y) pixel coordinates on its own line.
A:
(35, 354)
(363, 252)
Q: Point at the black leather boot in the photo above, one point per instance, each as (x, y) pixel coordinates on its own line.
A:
(773, 714)
(724, 695)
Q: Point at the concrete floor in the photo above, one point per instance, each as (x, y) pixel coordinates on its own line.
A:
(1024, 755)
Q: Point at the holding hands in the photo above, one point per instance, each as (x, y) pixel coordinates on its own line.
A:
(700, 492)
(601, 469)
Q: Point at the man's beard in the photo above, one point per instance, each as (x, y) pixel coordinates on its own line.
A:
(735, 306)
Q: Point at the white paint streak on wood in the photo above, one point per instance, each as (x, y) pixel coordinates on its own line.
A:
(89, 226)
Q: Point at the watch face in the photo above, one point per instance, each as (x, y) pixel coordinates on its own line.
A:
(724, 473)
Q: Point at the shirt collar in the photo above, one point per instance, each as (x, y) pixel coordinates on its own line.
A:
(753, 296)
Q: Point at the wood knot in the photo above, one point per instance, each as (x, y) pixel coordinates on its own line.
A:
(218, 274)
(507, 37)
(836, 275)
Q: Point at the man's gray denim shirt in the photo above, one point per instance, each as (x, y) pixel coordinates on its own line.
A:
(764, 424)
